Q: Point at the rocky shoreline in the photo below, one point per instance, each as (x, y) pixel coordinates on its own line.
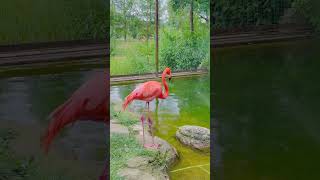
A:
(157, 167)
(147, 168)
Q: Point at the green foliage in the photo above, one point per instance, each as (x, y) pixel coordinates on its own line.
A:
(178, 47)
(46, 20)
(159, 160)
(95, 24)
(124, 118)
(205, 64)
(183, 50)
(200, 6)
(122, 148)
(132, 57)
(132, 18)
(237, 14)
(309, 9)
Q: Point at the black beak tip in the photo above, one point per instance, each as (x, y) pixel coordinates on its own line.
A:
(169, 78)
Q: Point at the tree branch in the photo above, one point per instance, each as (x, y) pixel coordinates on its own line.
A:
(203, 17)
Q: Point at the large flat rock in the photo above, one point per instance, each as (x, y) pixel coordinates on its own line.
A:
(194, 136)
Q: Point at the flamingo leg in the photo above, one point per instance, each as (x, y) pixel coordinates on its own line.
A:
(150, 124)
(104, 174)
(151, 130)
(142, 124)
(153, 145)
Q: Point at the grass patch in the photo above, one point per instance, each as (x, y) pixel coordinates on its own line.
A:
(125, 118)
(125, 146)
(129, 57)
(122, 148)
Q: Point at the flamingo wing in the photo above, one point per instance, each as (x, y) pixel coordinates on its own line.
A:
(145, 92)
(150, 90)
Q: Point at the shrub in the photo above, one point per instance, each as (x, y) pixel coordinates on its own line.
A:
(183, 50)
(309, 9)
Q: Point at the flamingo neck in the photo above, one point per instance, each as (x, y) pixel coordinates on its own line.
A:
(164, 82)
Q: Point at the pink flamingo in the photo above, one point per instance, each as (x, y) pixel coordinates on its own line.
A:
(89, 102)
(147, 92)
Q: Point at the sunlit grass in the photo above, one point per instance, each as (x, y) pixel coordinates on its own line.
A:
(124, 117)
(122, 148)
(128, 59)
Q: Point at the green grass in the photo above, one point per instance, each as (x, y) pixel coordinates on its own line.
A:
(124, 118)
(128, 57)
(122, 148)
(47, 20)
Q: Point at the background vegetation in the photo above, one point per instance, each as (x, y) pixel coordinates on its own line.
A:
(232, 14)
(183, 35)
(47, 20)
(310, 10)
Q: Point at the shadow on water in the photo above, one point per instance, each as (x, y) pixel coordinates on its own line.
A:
(188, 104)
(266, 104)
(26, 99)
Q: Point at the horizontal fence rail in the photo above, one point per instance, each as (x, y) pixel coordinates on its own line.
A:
(274, 34)
(151, 76)
(53, 52)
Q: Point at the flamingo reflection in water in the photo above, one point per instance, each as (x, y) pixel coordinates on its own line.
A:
(89, 102)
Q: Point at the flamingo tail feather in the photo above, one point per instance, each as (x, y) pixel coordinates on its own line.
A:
(63, 115)
(128, 100)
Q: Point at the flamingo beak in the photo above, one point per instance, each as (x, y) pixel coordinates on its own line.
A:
(169, 78)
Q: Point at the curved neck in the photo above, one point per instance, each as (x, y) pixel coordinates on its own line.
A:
(164, 82)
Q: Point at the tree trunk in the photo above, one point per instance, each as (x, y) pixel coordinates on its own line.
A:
(157, 36)
(148, 30)
(125, 29)
(149, 23)
(191, 16)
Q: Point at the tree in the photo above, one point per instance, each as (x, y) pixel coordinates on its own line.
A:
(191, 16)
(123, 9)
(157, 38)
(199, 7)
(310, 10)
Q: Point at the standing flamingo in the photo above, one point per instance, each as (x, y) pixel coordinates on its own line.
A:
(147, 92)
(89, 102)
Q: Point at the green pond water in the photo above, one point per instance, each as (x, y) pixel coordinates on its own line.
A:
(266, 111)
(27, 96)
(188, 104)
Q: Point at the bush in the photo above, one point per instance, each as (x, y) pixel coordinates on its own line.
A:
(310, 10)
(237, 14)
(138, 58)
(183, 50)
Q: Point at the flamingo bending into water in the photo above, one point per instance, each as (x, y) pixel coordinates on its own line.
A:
(147, 92)
(89, 102)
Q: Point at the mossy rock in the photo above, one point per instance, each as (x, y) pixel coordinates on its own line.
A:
(194, 136)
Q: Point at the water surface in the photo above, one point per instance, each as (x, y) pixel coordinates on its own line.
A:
(266, 111)
(26, 99)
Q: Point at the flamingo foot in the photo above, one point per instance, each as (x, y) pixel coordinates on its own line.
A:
(103, 177)
(152, 146)
(142, 124)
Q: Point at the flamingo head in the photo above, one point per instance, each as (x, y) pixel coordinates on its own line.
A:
(167, 72)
